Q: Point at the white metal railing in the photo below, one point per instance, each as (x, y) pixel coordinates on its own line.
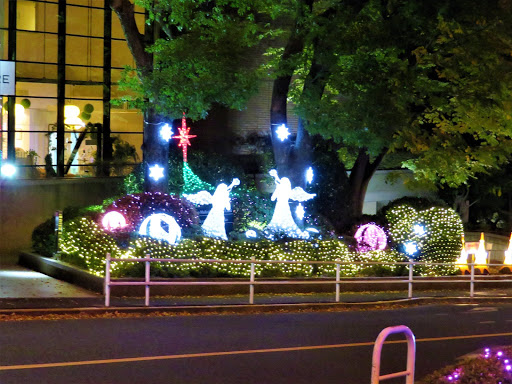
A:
(411, 355)
(410, 279)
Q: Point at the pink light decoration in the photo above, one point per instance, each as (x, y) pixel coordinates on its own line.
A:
(370, 237)
(184, 137)
(113, 220)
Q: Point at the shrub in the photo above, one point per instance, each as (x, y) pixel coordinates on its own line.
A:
(435, 231)
(487, 368)
(135, 208)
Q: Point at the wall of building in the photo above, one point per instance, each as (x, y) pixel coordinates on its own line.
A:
(24, 204)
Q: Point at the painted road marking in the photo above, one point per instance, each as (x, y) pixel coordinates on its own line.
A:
(230, 353)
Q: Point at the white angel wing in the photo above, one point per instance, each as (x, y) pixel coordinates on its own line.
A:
(199, 198)
(298, 194)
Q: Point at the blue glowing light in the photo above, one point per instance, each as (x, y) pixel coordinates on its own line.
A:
(282, 132)
(166, 132)
(156, 172)
(8, 170)
(309, 175)
(411, 248)
(299, 211)
(419, 230)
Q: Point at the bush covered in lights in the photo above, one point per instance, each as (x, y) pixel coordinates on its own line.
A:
(86, 244)
(491, 366)
(136, 207)
(431, 235)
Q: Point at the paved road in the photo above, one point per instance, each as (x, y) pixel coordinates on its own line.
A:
(317, 347)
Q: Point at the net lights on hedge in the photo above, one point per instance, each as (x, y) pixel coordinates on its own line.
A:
(419, 230)
(156, 172)
(282, 132)
(282, 220)
(161, 226)
(166, 132)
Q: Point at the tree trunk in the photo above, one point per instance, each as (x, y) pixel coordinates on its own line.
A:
(360, 176)
(279, 101)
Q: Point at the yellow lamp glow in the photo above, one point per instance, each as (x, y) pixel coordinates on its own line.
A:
(462, 261)
(481, 254)
(508, 254)
(71, 113)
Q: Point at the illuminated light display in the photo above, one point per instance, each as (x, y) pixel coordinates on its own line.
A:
(251, 234)
(309, 175)
(481, 255)
(411, 248)
(282, 132)
(419, 230)
(507, 262)
(156, 172)
(370, 237)
(299, 211)
(113, 220)
(439, 244)
(184, 137)
(462, 261)
(166, 132)
(192, 182)
(8, 170)
(214, 225)
(282, 220)
(155, 227)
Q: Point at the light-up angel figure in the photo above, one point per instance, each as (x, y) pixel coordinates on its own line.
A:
(282, 220)
(214, 225)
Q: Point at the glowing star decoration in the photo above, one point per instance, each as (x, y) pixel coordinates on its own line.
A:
(410, 248)
(481, 255)
(213, 225)
(299, 211)
(184, 137)
(282, 220)
(309, 175)
(113, 220)
(282, 132)
(161, 226)
(370, 237)
(419, 230)
(166, 132)
(156, 172)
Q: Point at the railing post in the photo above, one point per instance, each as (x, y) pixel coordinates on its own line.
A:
(472, 281)
(409, 295)
(338, 273)
(147, 276)
(251, 286)
(411, 355)
(107, 281)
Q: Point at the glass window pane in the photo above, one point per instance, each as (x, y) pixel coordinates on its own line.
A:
(84, 21)
(46, 17)
(38, 47)
(84, 51)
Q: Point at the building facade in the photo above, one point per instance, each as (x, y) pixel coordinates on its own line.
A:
(68, 55)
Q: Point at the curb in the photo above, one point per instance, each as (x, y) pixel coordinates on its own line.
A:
(251, 309)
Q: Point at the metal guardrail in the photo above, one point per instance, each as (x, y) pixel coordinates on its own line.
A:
(252, 282)
(411, 355)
